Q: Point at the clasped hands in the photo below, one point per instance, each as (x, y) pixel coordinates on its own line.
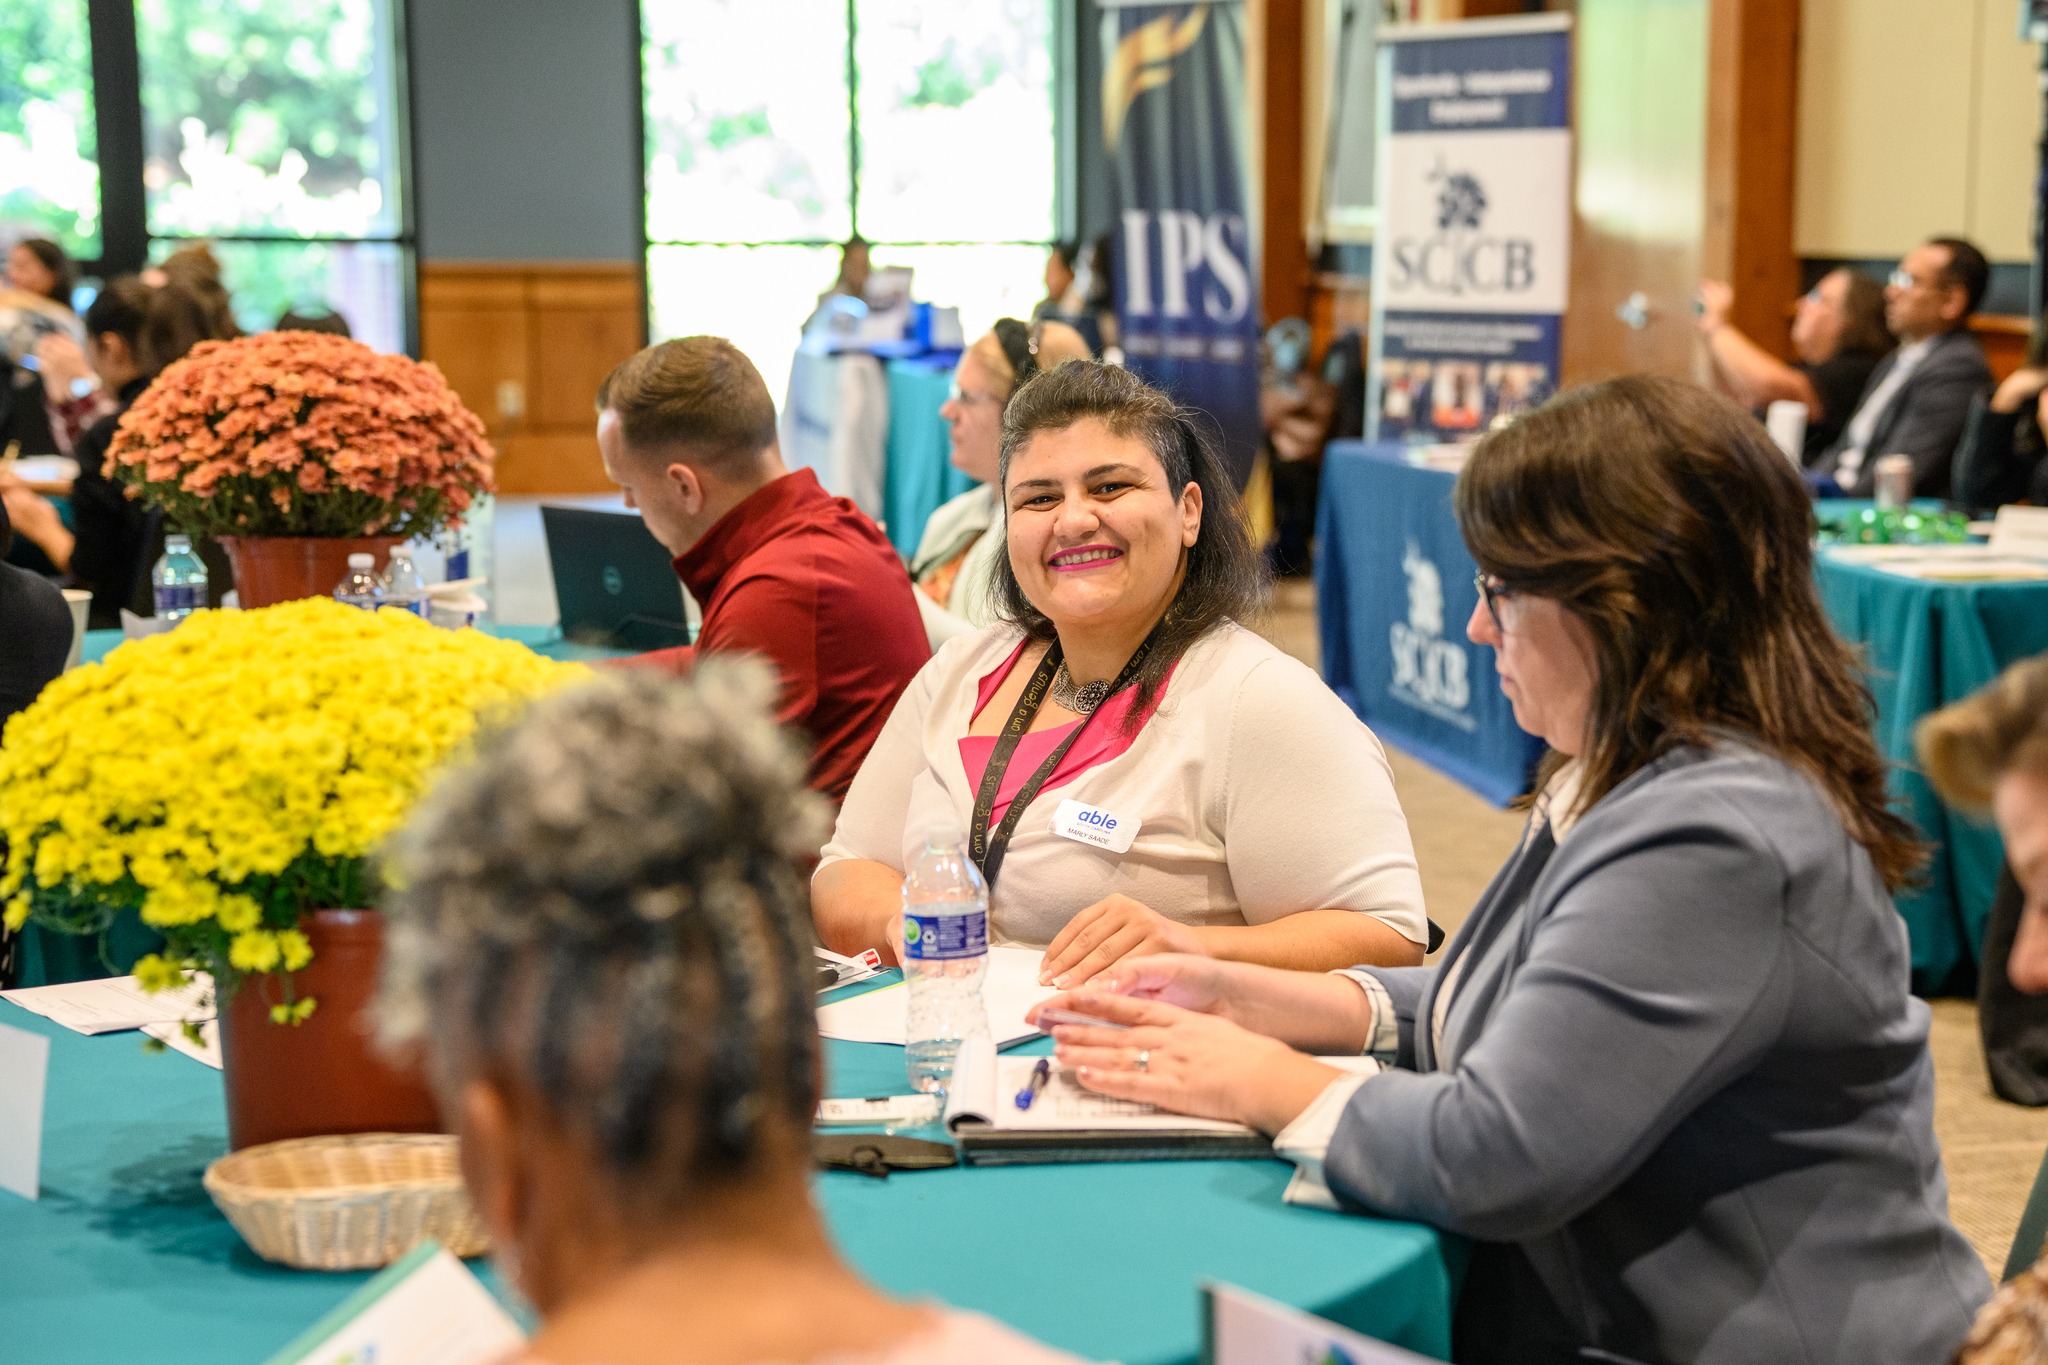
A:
(1193, 1038)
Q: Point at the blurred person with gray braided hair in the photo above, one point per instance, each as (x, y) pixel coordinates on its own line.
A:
(601, 950)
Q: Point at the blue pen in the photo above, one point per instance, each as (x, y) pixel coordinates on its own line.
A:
(1040, 1074)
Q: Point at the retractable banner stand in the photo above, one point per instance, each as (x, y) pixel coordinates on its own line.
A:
(1471, 258)
(1173, 128)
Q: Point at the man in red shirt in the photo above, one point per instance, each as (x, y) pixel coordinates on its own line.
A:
(780, 567)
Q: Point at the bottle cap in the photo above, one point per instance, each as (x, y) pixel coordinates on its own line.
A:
(361, 561)
(944, 834)
(177, 542)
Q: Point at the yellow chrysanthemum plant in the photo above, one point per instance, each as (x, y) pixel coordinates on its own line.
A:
(226, 777)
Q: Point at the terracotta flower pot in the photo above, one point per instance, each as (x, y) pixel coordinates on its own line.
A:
(273, 569)
(324, 1075)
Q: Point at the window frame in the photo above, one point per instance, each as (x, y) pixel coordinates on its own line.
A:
(125, 238)
(1063, 39)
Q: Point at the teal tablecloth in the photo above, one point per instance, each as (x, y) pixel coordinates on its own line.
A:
(918, 473)
(1929, 644)
(125, 1259)
(46, 956)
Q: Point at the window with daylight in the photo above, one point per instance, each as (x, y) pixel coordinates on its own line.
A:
(271, 128)
(49, 159)
(774, 132)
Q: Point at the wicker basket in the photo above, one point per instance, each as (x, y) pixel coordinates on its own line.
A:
(350, 1202)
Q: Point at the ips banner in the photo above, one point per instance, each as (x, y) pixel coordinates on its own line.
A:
(1472, 255)
(1173, 109)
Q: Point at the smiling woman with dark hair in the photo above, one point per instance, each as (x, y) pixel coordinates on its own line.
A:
(1257, 814)
(1668, 1076)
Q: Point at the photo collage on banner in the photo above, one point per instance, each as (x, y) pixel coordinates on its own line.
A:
(1472, 256)
(1173, 131)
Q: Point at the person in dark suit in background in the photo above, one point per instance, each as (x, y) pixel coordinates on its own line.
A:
(2000, 458)
(1918, 398)
(36, 623)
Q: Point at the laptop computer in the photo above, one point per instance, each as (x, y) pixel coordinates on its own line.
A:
(614, 583)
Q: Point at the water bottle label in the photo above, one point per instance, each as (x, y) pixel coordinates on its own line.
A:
(938, 938)
(172, 597)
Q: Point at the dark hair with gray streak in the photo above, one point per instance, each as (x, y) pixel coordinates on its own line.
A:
(605, 905)
(1226, 577)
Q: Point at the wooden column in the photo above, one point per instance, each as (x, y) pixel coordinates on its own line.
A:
(1752, 107)
(1274, 48)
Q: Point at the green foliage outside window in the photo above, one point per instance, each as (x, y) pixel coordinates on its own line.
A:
(49, 170)
(266, 116)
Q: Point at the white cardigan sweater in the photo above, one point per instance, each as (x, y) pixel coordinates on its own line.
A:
(1258, 794)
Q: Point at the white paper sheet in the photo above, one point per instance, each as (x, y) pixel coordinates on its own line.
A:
(24, 1072)
(1010, 988)
(115, 1003)
(1976, 569)
(1244, 1329)
(985, 1087)
(427, 1309)
(172, 1036)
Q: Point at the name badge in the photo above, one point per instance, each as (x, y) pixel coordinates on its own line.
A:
(1094, 825)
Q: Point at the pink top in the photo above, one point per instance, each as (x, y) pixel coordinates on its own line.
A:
(954, 1338)
(1103, 740)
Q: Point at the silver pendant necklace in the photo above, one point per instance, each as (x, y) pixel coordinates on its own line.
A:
(1081, 700)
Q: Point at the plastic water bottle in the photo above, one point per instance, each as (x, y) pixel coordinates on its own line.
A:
(361, 587)
(453, 543)
(179, 579)
(404, 586)
(945, 955)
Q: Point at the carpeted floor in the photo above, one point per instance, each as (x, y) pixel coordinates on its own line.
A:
(1991, 1148)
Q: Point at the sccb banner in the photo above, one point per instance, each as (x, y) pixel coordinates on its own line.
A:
(1471, 259)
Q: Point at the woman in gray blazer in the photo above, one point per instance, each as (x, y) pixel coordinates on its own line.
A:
(1668, 1076)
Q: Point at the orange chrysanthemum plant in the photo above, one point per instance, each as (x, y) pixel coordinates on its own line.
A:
(302, 434)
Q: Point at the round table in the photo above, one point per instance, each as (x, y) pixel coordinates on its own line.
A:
(125, 1259)
(1927, 643)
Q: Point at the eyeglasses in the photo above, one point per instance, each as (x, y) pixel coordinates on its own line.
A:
(959, 395)
(1904, 279)
(1492, 591)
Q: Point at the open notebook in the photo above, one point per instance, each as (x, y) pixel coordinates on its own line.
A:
(1068, 1123)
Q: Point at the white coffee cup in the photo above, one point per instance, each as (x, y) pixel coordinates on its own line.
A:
(80, 602)
(1785, 420)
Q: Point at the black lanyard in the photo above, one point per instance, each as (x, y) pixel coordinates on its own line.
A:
(987, 846)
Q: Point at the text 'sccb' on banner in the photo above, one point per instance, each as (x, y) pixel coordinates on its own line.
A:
(1471, 259)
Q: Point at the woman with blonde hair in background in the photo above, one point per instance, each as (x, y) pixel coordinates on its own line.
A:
(1988, 755)
(954, 567)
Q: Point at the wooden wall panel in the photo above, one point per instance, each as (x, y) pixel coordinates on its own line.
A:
(526, 345)
(1917, 118)
(1276, 49)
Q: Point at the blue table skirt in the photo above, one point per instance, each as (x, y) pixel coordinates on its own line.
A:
(47, 956)
(1393, 592)
(125, 1258)
(918, 474)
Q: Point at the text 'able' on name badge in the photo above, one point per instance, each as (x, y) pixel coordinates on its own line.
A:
(1094, 825)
